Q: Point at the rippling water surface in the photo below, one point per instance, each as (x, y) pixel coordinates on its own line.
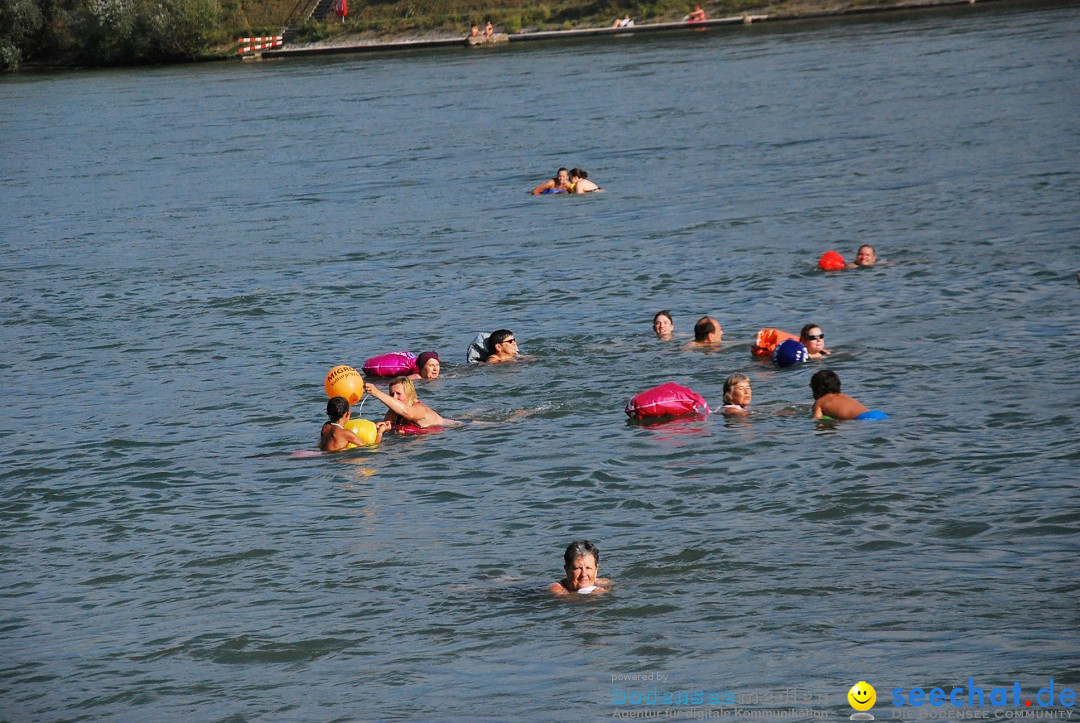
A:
(187, 251)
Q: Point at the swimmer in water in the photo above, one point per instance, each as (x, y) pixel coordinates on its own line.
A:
(334, 437)
(580, 183)
(865, 256)
(737, 394)
(581, 562)
(559, 184)
(813, 338)
(830, 402)
(404, 409)
(708, 334)
(502, 347)
(663, 326)
(428, 366)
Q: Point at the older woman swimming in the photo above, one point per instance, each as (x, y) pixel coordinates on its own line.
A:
(581, 562)
(404, 409)
(428, 366)
(737, 394)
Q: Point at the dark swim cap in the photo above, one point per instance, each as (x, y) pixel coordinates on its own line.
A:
(790, 353)
(423, 358)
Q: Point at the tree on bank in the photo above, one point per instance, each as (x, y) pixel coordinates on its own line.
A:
(107, 32)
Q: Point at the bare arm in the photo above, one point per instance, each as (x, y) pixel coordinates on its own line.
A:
(545, 186)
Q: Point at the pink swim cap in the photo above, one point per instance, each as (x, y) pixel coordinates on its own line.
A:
(831, 261)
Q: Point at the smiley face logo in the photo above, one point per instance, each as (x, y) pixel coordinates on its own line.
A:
(862, 696)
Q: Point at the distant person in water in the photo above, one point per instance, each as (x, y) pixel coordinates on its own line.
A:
(697, 16)
(580, 183)
(865, 256)
(488, 30)
(737, 395)
(581, 561)
(708, 334)
(830, 402)
(501, 347)
(663, 326)
(474, 31)
(559, 184)
(404, 409)
(334, 437)
(813, 338)
(428, 366)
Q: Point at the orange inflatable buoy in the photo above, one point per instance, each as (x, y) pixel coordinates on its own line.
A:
(344, 381)
(768, 339)
(831, 261)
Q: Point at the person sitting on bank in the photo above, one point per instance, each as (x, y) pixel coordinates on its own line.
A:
(708, 334)
(334, 437)
(581, 561)
(737, 394)
(697, 16)
(502, 347)
(813, 338)
(559, 184)
(663, 326)
(624, 22)
(830, 402)
(404, 409)
(580, 183)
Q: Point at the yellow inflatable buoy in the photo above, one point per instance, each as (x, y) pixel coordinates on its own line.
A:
(362, 428)
(344, 381)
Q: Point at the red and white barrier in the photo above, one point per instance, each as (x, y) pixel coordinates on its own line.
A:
(259, 43)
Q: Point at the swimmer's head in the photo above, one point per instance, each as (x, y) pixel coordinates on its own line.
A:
(337, 408)
(813, 338)
(662, 324)
(824, 382)
(865, 256)
(501, 341)
(402, 389)
(581, 562)
(562, 177)
(578, 173)
(789, 354)
(428, 365)
(737, 390)
(708, 329)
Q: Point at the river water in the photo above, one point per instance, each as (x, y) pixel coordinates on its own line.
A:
(188, 250)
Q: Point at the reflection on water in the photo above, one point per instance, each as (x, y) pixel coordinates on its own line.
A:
(174, 292)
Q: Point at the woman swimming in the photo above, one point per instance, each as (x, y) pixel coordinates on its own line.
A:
(737, 394)
(404, 409)
(581, 562)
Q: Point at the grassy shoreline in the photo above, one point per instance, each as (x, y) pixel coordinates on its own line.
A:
(379, 24)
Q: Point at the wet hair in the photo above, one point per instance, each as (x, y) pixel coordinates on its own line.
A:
(410, 390)
(806, 330)
(495, 338)
(580, 548)
(867, 246)
(730, 382)
(703, 328)
(824, 382)
(578, 172)
(556, 179)
(337, 408)
(663, 312)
